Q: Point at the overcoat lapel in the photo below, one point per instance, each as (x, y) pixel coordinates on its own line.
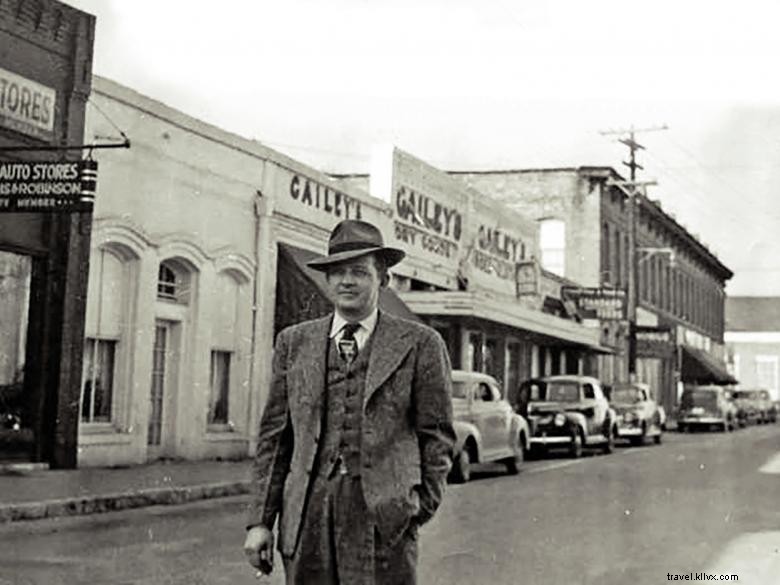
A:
(392, 341)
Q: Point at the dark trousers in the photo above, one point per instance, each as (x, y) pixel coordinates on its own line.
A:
(339, 544)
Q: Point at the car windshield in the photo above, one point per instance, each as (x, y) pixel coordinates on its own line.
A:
(459, 389)
(698, 398)
(626, 395)
(563, 391)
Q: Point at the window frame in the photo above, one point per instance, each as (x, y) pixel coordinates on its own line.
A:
(219, 424)
(114, 344)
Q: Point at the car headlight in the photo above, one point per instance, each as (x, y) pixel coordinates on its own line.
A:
(559, 420)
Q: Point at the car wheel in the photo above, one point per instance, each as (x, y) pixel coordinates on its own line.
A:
(461, 469)
(609, 446)
(723, 427)
(575, 449)
(681, 428)
(658, 438)
(513, 464)
(643, 436)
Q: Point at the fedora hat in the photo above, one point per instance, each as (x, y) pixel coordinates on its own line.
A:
(352, 238)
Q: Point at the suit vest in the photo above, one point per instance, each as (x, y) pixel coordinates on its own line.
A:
(343, 410)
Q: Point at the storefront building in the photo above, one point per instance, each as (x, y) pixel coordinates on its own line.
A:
(199, 246)
(45, 76)
(583, 219)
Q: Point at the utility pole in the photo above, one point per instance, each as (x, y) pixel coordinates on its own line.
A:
(632, 190)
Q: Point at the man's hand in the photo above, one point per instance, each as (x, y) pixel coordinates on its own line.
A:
(259, 548)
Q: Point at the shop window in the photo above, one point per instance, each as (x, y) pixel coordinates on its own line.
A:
(97, 387)
(552, 244)
(219, 387)
(173, 282)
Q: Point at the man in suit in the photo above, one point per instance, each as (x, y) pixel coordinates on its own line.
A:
(356, 437)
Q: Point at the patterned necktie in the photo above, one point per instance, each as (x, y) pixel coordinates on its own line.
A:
(348, 344)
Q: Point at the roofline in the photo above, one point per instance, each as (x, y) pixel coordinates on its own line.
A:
(700, 247)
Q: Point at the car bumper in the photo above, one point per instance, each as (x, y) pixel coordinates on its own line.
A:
(704, 420)
(629, 431)
(545, 441)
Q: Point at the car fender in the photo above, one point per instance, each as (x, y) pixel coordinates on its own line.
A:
(520, 427)
(577, 420)
(465, 431)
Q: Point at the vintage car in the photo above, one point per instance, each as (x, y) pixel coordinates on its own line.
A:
(766, 406)
(486, 426)
(747, 408)
(706, 406)
(568, 412)
(639, 417)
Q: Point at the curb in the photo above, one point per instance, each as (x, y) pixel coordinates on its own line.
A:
(81, 506)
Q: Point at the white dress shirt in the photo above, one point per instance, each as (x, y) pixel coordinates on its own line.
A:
(367, 327)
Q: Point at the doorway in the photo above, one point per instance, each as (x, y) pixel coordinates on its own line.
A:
(161, 387)
(18, 411)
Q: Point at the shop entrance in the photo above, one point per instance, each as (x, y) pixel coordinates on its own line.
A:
(18, 413)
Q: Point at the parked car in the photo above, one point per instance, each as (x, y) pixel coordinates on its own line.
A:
(639, 417)
(569, 412)
(766, 407)
(706, 406)
(747, 408)
(487, 427)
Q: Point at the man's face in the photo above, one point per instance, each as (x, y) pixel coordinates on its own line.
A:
(354, 286)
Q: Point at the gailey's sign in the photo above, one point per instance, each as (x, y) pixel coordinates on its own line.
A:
(324, 198)
(26, 106)
(497, 252)
(426, 223)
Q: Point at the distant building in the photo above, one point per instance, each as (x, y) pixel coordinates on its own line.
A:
(584, 237)
(753, 341)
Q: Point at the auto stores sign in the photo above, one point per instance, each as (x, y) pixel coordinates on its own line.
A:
(47, 186)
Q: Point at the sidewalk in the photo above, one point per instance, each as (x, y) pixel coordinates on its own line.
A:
(40, 493)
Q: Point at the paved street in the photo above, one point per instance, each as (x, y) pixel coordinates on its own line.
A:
(698, 503)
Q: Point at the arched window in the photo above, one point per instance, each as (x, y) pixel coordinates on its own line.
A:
(173, 282)
(109, 295)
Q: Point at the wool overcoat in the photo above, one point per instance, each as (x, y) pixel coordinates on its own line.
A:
(406, 427)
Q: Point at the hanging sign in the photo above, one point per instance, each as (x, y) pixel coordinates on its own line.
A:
(47, 186)
(606, 304)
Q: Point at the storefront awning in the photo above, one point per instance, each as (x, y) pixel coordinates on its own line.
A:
(302, 293)
(699, 367)
(468, 304)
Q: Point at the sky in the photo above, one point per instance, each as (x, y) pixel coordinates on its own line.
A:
(489, 84)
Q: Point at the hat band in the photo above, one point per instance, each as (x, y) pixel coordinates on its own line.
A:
(351, 246)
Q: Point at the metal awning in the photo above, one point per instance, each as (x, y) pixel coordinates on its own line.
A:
(699, 367)
(468, 304)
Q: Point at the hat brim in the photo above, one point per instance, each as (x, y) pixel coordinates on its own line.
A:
(392, 256)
